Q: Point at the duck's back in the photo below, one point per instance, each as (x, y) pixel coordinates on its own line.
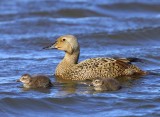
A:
(101, 67)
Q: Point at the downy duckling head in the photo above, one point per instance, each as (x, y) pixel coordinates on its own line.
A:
(26, 78)
(97, 82)
(67, 43)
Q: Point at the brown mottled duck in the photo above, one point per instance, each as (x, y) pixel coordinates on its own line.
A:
(70, 69)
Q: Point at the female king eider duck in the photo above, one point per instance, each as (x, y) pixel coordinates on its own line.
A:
(70, 69)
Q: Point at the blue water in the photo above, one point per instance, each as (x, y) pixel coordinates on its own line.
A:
(128, 28)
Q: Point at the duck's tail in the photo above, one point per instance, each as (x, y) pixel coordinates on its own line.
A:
(133, 59)
(143, 73)
(134, 70)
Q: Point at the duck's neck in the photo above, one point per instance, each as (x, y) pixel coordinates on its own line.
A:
(68, 61)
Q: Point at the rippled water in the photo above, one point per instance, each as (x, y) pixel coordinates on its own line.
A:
(128, 28)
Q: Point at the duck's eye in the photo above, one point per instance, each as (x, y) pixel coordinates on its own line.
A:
(63, 39)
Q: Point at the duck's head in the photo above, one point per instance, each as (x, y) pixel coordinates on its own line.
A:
(67, 43)
(26, 78)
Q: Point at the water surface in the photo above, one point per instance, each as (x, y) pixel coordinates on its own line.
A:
(129, 28)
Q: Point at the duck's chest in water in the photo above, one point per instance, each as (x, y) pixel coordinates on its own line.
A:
(63, 68)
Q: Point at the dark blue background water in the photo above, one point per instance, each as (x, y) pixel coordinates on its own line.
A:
(104, 28)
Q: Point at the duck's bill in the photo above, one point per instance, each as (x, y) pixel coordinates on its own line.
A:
(18, 80)
(50, 47)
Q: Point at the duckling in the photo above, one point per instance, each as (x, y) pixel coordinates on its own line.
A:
(108, 84)
(38, 81)
(70, 69)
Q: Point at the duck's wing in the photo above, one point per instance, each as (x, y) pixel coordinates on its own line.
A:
(99, 67)
(129, 59)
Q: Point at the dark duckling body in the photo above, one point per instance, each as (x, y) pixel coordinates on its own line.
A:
(37, 81)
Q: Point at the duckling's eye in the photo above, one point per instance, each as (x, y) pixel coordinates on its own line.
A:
(63, 39)
(96, 81)
(24, 78)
